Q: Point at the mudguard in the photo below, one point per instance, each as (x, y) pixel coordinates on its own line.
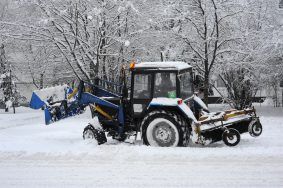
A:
(173, 102)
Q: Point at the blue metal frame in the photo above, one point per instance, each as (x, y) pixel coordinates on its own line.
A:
(47, 115)
(35, 102)
(86, 98)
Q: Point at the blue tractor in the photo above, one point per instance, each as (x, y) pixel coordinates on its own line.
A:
(160, 104)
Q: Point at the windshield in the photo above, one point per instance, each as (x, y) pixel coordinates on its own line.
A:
(165, 85)
(186, 85)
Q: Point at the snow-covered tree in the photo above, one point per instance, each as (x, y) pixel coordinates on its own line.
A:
(203, 28)
(63, 39)
(241, 85)
(91, 35)
(9, 93)
(257, 33)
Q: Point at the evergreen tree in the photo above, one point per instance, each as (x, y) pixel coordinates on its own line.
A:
(9, 94)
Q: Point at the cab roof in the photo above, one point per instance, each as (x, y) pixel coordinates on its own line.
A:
(166, 65)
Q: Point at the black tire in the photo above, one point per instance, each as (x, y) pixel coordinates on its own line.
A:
(164, 129)
(56, 113)
(255, 128)
(231, 137)
(91, 133)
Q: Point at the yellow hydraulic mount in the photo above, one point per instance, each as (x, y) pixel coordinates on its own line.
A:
(102, 112)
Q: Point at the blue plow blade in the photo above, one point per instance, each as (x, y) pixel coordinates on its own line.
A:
(48, 118)
(36, 102)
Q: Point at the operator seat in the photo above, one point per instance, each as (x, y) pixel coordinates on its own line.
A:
(164, 86)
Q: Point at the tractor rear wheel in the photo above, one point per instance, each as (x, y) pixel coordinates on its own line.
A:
(164, 129)
(90, 133)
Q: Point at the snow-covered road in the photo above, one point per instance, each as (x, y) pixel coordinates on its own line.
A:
(124, 170)
(35, 155)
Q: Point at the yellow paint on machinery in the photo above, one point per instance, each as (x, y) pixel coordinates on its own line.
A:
(102, 112)
(236, 113)
(73, 93)
(227, 115)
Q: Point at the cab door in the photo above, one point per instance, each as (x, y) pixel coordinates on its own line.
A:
(141, 92)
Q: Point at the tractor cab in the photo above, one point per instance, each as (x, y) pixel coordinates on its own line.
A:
(159, 80)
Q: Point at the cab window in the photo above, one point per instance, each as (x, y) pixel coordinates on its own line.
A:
(165, 85)
(142, 86)
(185, 85)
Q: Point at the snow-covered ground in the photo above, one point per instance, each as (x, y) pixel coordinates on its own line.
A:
(35, 155)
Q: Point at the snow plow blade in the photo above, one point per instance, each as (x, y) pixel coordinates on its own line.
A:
(48, 116)
(58, 102)
(40, 97)
(242, 126)
(240, 121)
(35, 102)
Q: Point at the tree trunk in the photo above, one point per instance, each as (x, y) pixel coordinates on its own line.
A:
(161, 56)
(275, 95)
(206, 89)
(93, 71)
(41, 81)
(6, 107)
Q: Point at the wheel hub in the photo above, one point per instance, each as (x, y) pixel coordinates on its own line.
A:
(164, 134)
(88, 134)
(232, 138)
(256, 129)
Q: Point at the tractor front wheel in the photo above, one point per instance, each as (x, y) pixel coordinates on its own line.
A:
(90, 133)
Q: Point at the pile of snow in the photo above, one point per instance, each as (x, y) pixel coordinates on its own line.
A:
(167, 64)
(56, 92)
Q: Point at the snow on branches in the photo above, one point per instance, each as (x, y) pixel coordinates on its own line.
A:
(8, 91)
